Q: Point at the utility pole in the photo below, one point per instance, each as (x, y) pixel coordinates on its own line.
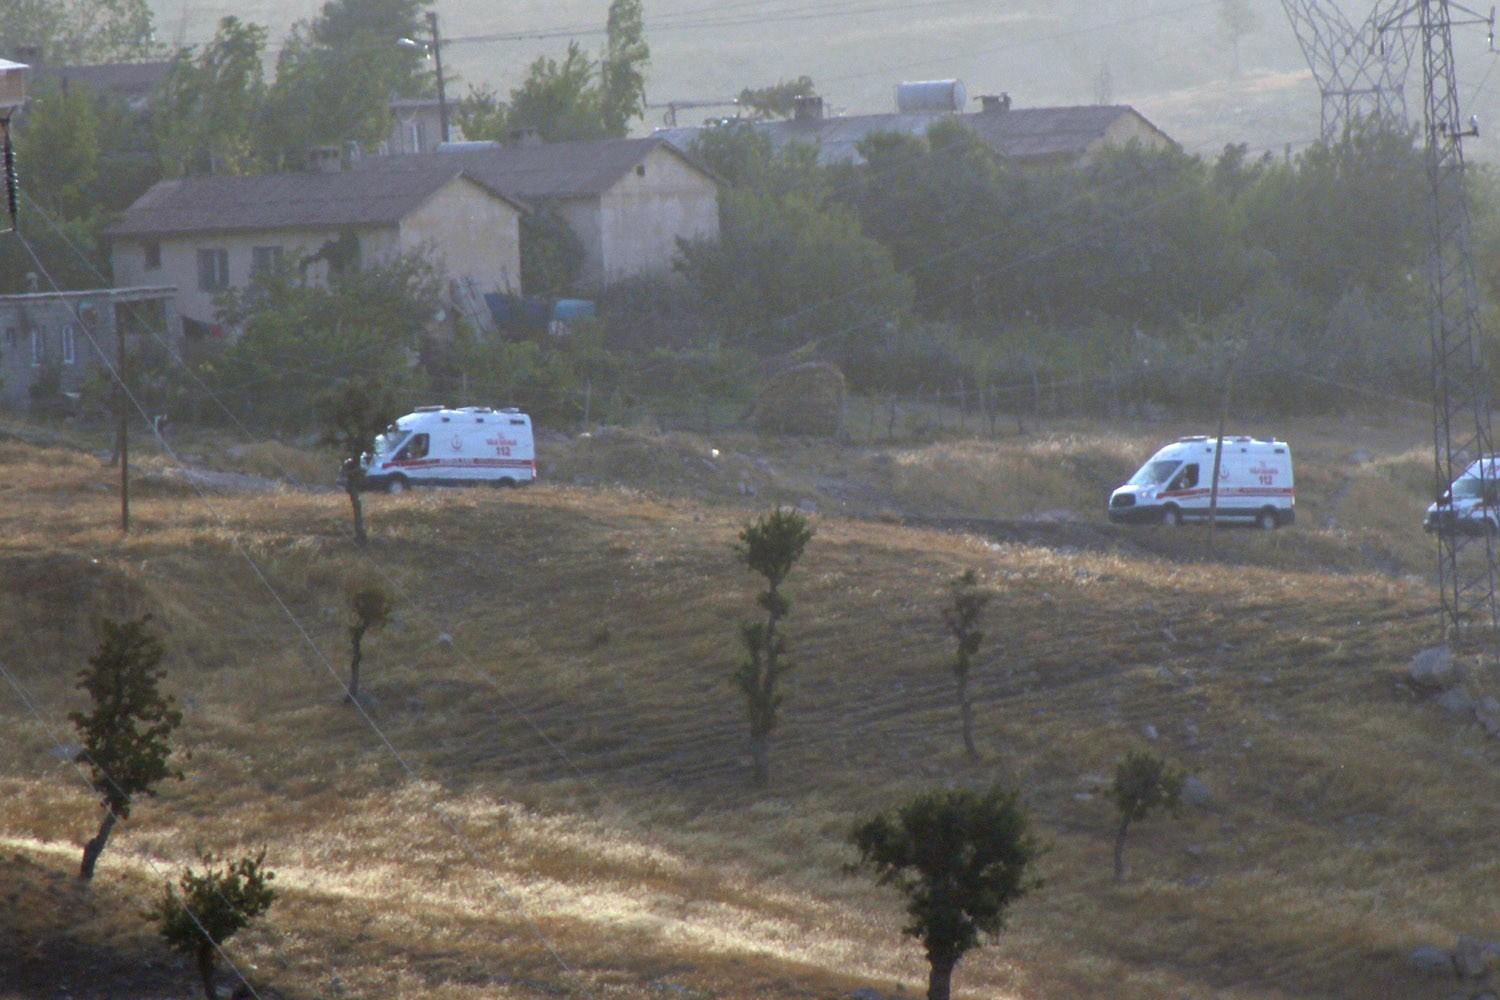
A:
(1360, 71)
(122, 396)
(1460, 404)
(437, 64)
(1231, 363)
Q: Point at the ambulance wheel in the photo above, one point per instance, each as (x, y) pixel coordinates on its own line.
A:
(1267, 520)
(1171, 516)
(397, 484)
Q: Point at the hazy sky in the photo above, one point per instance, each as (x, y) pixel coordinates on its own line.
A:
(1169, 58)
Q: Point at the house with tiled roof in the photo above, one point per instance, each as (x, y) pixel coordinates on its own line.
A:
(1043, 136)
(206, 235)
(627, 200)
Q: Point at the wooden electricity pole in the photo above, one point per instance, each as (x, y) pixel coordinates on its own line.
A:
(122, 394)
(1231, 363)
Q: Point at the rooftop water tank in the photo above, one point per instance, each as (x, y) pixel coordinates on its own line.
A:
(931, 95)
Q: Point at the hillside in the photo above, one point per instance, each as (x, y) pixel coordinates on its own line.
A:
(576, 820)
(1171, 60)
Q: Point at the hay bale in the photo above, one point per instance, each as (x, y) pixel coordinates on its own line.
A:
(804, 399)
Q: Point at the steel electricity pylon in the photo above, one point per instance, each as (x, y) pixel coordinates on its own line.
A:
(1460, 396)
(1360, 69)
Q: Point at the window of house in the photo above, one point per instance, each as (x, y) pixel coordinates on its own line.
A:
(263, 259)
(11, 336)
(152, 253)
(38, 347)
(68, 351)
(213, 270)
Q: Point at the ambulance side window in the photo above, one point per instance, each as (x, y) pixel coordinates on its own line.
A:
(415, 448)
(1187, 478)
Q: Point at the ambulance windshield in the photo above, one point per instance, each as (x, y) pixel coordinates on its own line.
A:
(1154, 473)
(388, 441)
(1467, 488)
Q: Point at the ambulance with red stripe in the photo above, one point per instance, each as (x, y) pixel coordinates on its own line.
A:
(466, 446)
(1255, 484)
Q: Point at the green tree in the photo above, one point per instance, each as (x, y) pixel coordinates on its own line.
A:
(769, 547)
(951, 216)
(559, 100)
(353, 413)
(622, 79)
(296, 334)
(207, 908)
(209, 109)
(552, 255)
(57, 152)
(779, 100)
(961, 859)
(72, 32)
(60, 138)
(743, 156)
(1144, 783)
(786, 270)
(482, 115)
(337, 72)
(126, 735)
(966, 602)
(370, 607)
(1344, 216)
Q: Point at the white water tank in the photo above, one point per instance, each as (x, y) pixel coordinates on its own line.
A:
(931, 95)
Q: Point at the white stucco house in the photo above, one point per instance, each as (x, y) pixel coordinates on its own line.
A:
(206, 235)
(628, 200)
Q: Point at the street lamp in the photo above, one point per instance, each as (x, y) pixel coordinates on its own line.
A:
(433, 48)
(12, 96)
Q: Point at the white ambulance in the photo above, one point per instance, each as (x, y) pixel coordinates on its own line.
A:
(1464, 508)
(438, 446)
(1255, 484)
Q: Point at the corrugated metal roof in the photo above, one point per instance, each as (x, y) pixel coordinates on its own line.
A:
(1014, 133)
(544, 171)
(288, 201)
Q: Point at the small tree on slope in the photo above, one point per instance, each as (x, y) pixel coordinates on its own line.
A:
(961, 858)
(352, 414)
(966, 602)
(1143, 784)
(370, 607)
(207, 909)
(127, 734)
(770, 547)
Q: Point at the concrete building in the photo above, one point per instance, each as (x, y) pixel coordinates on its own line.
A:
(67, 335)
(416, 127)
(1068, 136)
(206, 235)
(628, 200)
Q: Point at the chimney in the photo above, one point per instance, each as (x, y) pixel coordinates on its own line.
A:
(324, 160)
(994, 102)
(524, 137)
(807, 108)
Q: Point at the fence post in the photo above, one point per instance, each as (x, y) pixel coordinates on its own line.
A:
(890, 419)
(588, 399)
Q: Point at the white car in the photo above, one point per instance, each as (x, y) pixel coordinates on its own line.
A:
(438, 446)
(1255, 484)
(1471, 503)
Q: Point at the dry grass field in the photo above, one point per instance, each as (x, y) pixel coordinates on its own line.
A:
(556, 802)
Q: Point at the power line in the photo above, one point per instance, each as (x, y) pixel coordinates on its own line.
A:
(301, 630)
